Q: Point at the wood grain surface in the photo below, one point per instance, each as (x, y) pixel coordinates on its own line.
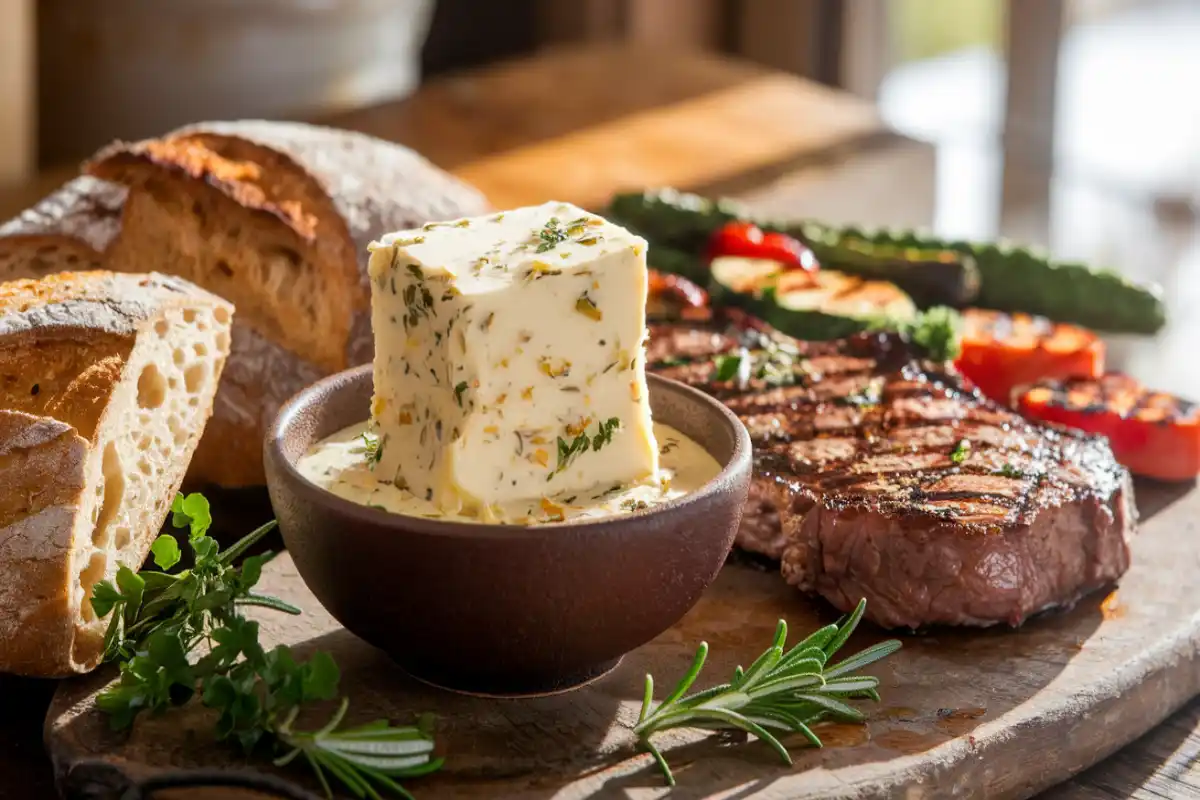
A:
(994, 713)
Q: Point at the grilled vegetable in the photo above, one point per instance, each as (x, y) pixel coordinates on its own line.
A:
(747, 240)
(1010, 278)
(673, 218)
(1001, 352)
(686, 222)
(931, 276)
(1014, 278)
(678, 262)
(821, 305)
(1152, 433)
(673, 297)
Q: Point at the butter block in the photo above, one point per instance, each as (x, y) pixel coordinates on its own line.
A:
(509, 357)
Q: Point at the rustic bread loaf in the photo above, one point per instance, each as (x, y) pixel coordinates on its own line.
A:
(275, 217)
(106, 382)
(71, 230)
(68, 231)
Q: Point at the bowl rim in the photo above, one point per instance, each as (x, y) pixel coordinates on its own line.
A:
(737, 466)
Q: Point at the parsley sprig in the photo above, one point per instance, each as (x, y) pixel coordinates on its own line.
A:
(781, 691)
(159, 622)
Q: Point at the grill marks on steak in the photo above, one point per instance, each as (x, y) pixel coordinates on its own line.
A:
(858, 493)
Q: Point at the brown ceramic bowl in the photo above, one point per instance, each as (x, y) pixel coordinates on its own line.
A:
(504, 609)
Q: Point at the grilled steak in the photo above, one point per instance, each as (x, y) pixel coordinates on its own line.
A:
(878, 475)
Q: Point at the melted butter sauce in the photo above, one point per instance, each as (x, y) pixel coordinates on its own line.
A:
(340, 465)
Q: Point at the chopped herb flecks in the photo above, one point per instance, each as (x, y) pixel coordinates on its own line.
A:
(727, 367)
(585, 305)
(606, 431)
(569, 451)
(458, 392)
(550, 235)
(372, 448)
(868, 396)
(960, 452)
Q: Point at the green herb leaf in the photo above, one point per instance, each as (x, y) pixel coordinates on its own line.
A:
(105, 598)
(938, 331)
(960, 452)
(568, 451)
(191, 512)
(550, 235)
(165, 551)
(458, 392)
(159, 619)
(783, 690)
(605, 434)
(321, 677)
(371, 447)
(727, 367)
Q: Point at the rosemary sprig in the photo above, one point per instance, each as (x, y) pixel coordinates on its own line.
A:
(781, 691)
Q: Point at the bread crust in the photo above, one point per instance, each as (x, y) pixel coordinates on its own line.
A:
(375, 186)
(85, 209)
(42, 464)
(70, 336)
(372, 187)
(259, 377)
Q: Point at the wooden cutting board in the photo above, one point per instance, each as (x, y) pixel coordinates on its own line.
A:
(994, 713)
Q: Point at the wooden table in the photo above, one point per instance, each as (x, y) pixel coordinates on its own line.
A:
(632, 118)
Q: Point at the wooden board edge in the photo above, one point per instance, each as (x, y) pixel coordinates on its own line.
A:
(1134, 702)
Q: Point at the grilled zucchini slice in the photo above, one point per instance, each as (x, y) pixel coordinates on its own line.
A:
(821, 305)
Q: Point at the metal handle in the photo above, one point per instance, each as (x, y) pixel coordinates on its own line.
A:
(102, 780)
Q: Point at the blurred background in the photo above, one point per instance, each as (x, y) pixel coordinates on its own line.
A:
(1069, 123)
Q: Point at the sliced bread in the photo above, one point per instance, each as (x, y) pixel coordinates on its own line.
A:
(106, 383)
(71, 230)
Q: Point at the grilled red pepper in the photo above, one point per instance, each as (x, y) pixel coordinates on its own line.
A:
(1001, 352)
(1152, 433)
(673, 297)
(747, 240)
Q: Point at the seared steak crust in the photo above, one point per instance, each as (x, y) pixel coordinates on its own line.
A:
(878, 475)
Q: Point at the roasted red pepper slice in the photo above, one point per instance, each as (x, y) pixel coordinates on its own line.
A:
(747, 240)
(1152, 433)
(672, 297)
(1001, 352)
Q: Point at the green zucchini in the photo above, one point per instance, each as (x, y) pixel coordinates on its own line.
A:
(671, 218)
(682, 221)
(1014, 278)
(678, 262)
(930, 276)
(1009, 278)
(826, 305)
